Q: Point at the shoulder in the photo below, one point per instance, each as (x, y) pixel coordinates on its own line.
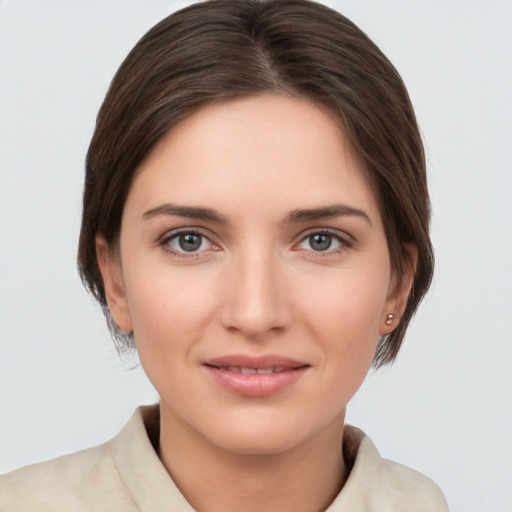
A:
(113, 476)
(376, 484)
(71, 482)
(414, 490)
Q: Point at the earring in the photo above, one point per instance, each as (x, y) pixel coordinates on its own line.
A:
(389, 319)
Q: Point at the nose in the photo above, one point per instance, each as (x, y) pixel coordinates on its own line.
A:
(255, 298)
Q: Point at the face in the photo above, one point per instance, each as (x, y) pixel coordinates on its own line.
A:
(254, 272)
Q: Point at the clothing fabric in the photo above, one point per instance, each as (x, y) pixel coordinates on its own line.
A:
(125, 474)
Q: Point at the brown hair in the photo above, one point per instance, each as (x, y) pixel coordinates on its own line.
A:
(224, 49)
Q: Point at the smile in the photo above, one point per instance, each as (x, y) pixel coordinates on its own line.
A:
(251, 371)
(255, 377)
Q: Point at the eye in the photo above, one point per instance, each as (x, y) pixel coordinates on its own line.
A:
(187, 242)
(322, 242)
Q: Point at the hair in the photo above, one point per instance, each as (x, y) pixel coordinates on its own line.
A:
(227, 49)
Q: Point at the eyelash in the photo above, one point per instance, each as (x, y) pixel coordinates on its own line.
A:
(168, 237)
(345, 242)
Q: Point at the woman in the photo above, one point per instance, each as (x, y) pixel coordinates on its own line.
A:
(256, 224)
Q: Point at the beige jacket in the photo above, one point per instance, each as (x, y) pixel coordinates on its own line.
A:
(126, 475)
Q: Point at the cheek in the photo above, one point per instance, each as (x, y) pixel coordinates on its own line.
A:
(170, 310)
(344, 314)
(350, 301)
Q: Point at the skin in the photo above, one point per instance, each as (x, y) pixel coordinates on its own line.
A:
(257, 285)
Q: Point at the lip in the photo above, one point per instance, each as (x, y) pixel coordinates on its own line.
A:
(225, 371)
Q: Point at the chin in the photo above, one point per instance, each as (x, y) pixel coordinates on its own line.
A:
(263, 436)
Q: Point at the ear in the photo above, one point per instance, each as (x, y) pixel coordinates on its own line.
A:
(110, 268)
(398, 292)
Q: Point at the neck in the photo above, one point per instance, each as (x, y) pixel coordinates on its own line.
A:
(305, 478)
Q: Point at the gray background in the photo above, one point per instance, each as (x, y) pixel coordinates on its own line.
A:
(445, 407)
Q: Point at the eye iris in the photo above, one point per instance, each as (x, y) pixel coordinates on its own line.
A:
(190, 242)
(320, 242)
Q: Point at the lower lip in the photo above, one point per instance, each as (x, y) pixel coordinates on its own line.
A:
(256, 384)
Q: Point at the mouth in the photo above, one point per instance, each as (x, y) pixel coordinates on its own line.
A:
(250, 371)
(255, 377)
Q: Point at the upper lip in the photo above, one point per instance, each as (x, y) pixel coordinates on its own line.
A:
(245, 361)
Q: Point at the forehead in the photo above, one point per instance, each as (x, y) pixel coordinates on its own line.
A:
(260, 150)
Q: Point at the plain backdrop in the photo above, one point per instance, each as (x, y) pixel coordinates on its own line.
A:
(444, 408)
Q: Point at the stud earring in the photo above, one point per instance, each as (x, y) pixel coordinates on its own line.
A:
(389, 319)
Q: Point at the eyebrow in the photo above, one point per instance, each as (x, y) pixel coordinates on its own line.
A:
(201, 213)
(191, 212)
(325, 212)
